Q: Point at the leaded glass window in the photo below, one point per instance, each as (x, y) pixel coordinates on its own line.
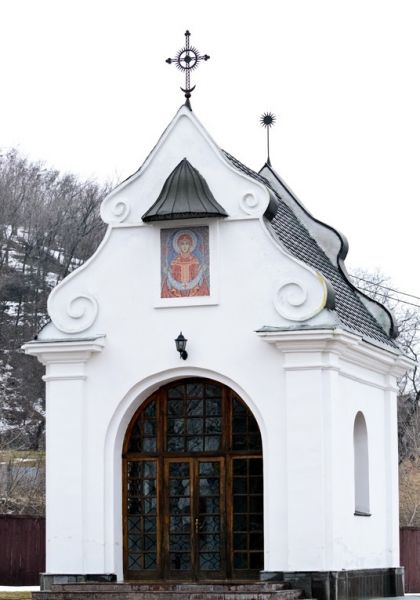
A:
(193, 486)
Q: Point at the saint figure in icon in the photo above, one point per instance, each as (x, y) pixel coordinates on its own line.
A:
(185, 262)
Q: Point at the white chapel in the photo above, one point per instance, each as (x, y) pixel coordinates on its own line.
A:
(221, 399)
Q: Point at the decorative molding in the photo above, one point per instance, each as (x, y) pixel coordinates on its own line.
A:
(74, 314)
(70, 351)
(120, 210)
(115, 210)
(339, 369)
(75, 311)
(73, 377)
(340, 344)
(368, 382)
(300, 296)
(250, 204)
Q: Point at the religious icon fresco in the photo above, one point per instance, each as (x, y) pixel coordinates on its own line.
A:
(185, 262)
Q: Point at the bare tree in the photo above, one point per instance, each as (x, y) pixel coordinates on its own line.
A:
(22, 482)
(49, 224)
(407, 314)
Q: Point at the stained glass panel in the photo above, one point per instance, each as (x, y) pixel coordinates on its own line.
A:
(194, 407)
(245, 431)
(141, 530)
(209, 561)
(143, 433)
(194, 422)
(248, 539)
(180, 507)
(209, 516)
(212, 442)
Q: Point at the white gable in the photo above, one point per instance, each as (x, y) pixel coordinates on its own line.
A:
(185, 138)
(253, 277)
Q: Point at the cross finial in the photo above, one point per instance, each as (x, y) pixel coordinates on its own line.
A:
(186, 60)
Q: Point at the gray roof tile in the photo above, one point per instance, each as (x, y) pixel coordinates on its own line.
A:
(296, 239)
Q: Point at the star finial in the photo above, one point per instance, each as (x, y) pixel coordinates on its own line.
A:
(267, 120)
(187, 60)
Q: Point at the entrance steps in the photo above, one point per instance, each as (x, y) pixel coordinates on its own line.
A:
(170, 591)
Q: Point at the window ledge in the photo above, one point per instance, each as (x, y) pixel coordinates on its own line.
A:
(361, 513)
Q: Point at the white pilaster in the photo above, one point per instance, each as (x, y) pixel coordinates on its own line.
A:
(65, 379)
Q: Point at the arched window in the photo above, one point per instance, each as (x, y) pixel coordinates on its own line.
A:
(361, 467)
(193, 486)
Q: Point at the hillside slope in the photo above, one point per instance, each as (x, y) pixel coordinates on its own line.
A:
(49, 224)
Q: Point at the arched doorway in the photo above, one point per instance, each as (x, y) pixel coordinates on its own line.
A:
(193, 486)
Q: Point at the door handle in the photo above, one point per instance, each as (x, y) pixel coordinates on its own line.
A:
(197, 522)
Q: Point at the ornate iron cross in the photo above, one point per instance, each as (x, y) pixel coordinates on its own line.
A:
(187, 60)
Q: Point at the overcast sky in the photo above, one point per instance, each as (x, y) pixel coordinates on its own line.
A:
(85, 87)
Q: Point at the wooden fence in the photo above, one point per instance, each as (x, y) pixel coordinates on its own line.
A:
(410, 557)
(22, 549)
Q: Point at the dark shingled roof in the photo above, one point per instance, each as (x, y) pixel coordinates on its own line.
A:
(293, 235)
(185, 195)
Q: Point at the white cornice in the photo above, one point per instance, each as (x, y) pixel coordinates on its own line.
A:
(182, 222)
(64, 351)
(336, 343)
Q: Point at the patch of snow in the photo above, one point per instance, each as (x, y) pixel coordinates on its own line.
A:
(12, 308)
(58, 255)
(14, 260)
(22, 588)
(23, 233)
(51, 279)
(20, 460)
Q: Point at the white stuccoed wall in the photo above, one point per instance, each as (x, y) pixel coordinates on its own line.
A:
(111, 344)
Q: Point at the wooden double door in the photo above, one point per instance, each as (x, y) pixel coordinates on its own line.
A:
(193, 486)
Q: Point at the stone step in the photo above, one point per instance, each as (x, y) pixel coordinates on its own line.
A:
(169, 595)
(215, 586)
(171, 591)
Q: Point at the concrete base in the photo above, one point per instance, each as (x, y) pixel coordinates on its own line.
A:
(48, 579)
(343, 585)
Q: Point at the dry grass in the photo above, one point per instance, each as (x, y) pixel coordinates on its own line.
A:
(410, 493)
(12, 455)
(15, 595)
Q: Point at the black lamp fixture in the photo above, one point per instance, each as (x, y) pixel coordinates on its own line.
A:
(181, 344)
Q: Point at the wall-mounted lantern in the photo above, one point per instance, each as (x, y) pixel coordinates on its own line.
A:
(181, 344)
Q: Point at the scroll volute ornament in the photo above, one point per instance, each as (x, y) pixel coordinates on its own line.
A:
(300, 296)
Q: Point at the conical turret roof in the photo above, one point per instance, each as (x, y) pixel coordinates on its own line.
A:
(185, 195)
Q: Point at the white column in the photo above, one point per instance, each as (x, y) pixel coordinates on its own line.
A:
(66, 450)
